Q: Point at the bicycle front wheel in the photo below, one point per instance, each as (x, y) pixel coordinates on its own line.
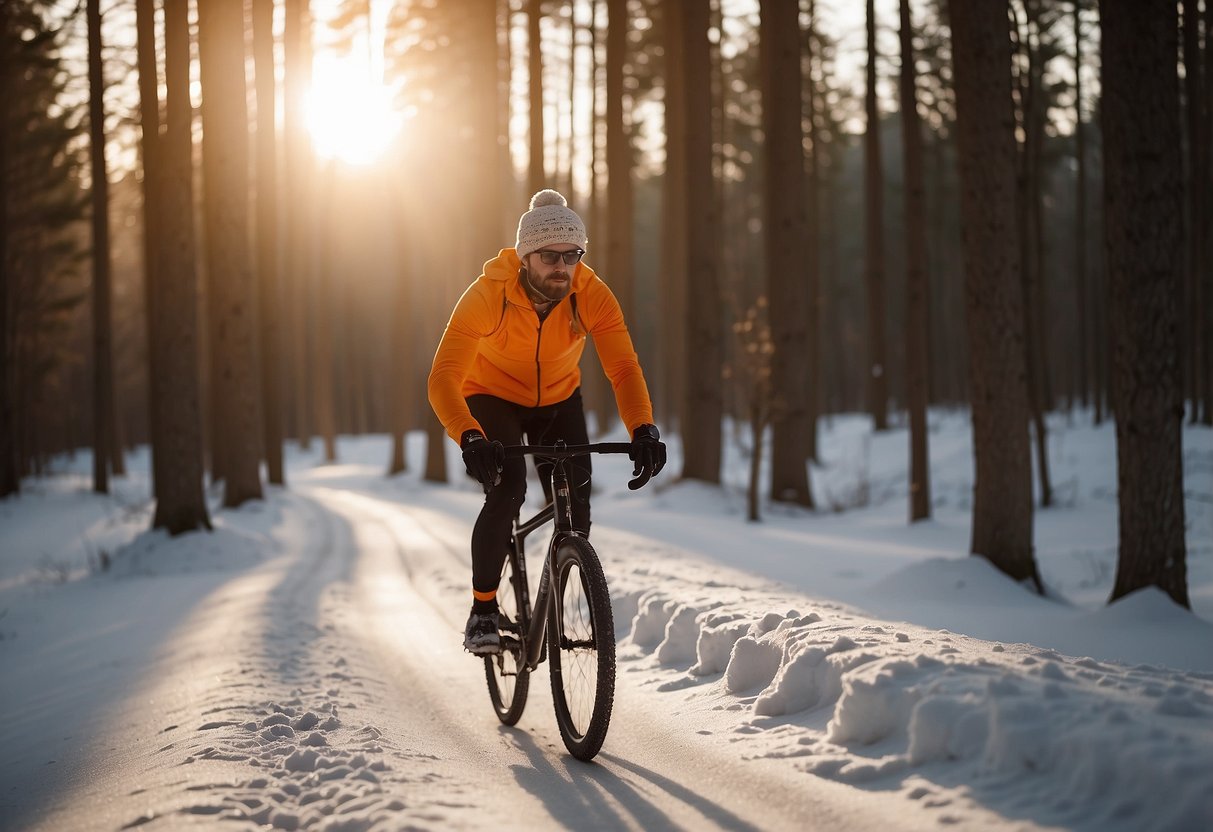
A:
(581, 648)
(509, 680)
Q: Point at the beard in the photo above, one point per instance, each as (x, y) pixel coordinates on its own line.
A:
(547, 289)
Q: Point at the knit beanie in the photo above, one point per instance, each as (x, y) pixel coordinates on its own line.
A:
(550, 220)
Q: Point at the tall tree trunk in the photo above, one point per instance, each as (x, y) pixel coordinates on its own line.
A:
(270, 334)
(1143, 209)
(701, 437)
(620, 211)
(877, 369)
(1205, 233)
(1198, 175)
(103, 380)
(985, 121)
(435, 451)
(571, 98)
(150, 146)
(1082, 291)
(402, 380)
(326, 308)
(296, 42)
(1031, 243)
(812, 230)
(225, 172)
(180, 500)
(786, 234)
(537, 172)
(917, 279)
(670, 387)
(10, 477)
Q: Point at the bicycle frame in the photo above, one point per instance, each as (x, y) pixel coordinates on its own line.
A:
(545, 612)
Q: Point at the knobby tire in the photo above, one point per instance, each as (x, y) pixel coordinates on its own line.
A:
(581, 648)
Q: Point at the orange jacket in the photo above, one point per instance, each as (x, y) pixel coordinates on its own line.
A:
(495, 343)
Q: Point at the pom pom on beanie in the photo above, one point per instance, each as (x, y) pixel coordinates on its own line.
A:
(549, 221)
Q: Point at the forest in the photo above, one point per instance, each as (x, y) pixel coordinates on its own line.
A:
(229, 225)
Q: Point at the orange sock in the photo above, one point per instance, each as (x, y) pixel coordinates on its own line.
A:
(484, 596)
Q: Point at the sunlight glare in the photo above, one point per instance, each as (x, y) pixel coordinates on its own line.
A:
(349, 111)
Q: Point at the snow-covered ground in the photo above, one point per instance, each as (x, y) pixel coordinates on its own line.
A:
(300, 666)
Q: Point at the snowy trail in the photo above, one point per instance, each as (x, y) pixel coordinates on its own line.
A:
(301, 668)
(652, 773)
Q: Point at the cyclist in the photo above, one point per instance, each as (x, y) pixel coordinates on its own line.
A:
(507, 365)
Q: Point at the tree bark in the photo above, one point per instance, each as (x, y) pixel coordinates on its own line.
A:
(917, 279)
(103, 381)
(620, 210)
(877, 369)
(1143, 209)
(10, 478)
(1031, 243)
(786, 231)
(704, 389)
(537, 171)
(813, 232)
(1082, 291)
(269, 293)
(232, 307)
(296, 42)
(1197, 192)
(150, 142)
(180, 500)
(985, 121)
(670, 387)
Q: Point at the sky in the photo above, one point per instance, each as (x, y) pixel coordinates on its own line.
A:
(301, 665)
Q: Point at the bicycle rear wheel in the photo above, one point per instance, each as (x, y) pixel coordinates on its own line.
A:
(581, 649)
(509, 681)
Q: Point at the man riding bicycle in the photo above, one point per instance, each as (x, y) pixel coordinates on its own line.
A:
(507, 365)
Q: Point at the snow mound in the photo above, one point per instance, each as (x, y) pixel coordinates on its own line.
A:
(1099, 742)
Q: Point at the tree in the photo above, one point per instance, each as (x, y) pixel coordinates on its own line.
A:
(1002, 489)
(103, 380)
(670, 397)
(10, 478)
(1143, 218)
(44, 226)
(149, 146)
(1080, 215)
(704, 396)
(877, 381)
(1197, 206)
(270, 332)
(173, 351)
(537, 170)
(225, 177)
(917, 280)
(786, 234)
(620, 243)
(296, 49)
(1031, 232)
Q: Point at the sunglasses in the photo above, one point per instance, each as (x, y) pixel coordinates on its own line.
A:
(549, 257)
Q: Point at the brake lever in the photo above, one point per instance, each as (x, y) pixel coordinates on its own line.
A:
(640, 481)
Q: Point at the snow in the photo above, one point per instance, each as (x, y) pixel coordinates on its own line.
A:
(300, 668)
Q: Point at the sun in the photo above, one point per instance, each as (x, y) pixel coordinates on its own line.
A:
(349, 110)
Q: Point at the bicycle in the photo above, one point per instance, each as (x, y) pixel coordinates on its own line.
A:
(573, 624)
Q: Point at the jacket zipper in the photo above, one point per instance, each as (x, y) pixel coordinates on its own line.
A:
(538, 369)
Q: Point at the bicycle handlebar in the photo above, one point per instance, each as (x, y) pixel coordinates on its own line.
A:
(563, 451)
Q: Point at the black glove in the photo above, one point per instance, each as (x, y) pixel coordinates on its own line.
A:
(648, 451)
(482, 458)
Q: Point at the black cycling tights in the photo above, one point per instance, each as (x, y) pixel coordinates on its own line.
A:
(507, 422)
